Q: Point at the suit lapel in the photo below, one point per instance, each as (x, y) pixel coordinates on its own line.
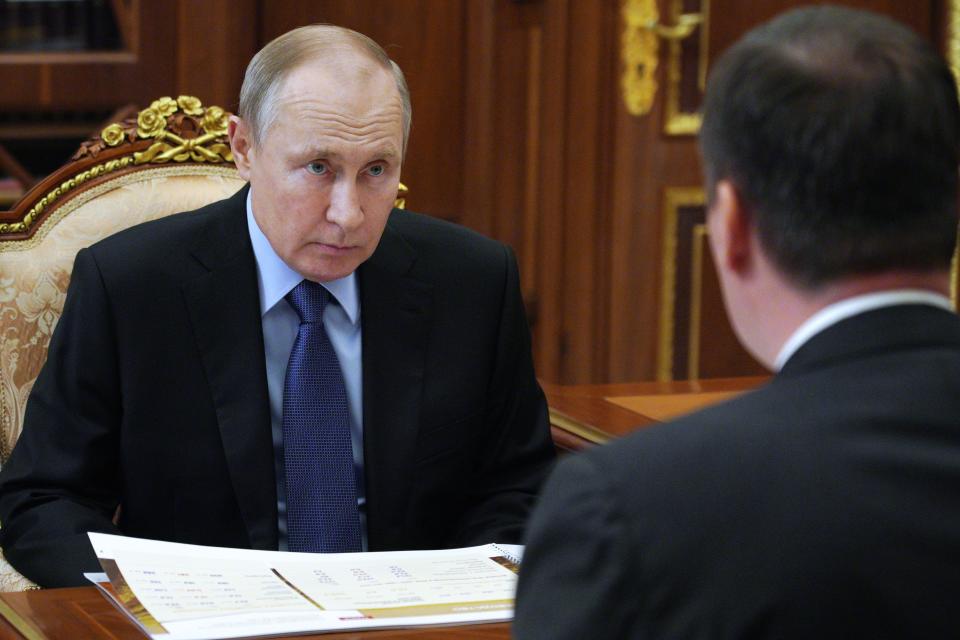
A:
(225, 313)
(395, 315)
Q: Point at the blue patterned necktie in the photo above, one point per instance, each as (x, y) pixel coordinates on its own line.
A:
(322, 510)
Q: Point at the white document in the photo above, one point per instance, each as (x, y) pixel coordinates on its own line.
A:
(187, 592)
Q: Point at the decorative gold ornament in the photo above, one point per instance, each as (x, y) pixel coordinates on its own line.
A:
(62, 189)
(215, 121)
(400, 202)
(185, 149)
(184, 144)
(150, 123)
(166, 106)
(639, 50)
(177, 141)
(113, 135)
(677, 121)
(675, 198)
(190, 105)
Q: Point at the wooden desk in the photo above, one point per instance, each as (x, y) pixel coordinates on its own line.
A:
(588, 414)
(71, 614)
(580, 416)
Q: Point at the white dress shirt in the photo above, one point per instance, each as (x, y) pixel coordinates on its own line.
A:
(280, 325)
(848, 307)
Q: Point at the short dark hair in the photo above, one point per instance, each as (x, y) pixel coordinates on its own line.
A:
(839, 129)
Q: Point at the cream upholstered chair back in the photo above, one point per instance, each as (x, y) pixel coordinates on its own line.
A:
(173, 157)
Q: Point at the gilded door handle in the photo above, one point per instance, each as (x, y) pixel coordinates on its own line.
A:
(640, 50)
(684, 27)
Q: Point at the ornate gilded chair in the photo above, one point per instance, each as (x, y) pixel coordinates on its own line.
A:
(173, 156)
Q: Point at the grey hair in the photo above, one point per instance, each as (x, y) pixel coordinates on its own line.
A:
(269, 68)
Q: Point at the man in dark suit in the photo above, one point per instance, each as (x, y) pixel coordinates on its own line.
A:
(202, 387)
(823, 504)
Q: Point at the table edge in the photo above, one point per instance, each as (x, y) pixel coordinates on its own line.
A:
(18, 622)
(577, 428)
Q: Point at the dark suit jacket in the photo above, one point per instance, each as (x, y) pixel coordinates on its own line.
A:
(154, 397)
(824, 505)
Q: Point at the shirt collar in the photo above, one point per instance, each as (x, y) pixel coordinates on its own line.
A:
(275, 278)
(848, 307)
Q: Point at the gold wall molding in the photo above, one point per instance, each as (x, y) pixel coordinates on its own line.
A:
(698, 249)
(676, 121)
(674, 198)
(640, 54)
(639, 51)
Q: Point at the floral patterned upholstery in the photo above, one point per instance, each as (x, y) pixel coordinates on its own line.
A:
(34, 274)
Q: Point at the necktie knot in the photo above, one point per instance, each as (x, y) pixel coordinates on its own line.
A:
(309, 299)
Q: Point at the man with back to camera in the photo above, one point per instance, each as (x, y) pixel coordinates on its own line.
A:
(295, 367)
(823, 504)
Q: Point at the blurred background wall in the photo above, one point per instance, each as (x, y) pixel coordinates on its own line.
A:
(565, 128)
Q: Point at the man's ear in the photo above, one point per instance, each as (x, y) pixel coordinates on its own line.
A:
(731, 232)
(241, 144)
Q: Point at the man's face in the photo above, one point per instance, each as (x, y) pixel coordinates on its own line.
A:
(325, 175)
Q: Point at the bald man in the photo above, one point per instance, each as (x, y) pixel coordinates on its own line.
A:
(298, 367)
(824, 504)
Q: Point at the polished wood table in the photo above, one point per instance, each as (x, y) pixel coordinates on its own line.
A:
(82, 613)
(584, 415)
(580, 416)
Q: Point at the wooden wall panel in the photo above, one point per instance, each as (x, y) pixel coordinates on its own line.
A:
(695, 338)
(648, 163)
(587, 222)
(726, 25)
(479, 123)
(519, 131)
(174, 48)
(215, 41)
(547, 198)
(490, 88)
(427, 39)
(515, 150)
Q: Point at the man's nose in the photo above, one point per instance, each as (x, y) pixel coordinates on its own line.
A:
(344, 209)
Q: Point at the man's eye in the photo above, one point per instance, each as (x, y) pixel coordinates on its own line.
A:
(317, 168)
(377, 170)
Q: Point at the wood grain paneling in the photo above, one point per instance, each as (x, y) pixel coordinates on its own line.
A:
(519, 132)
(427, 39)
(216, 39)
(726, 25)
(702, 343)
(172, 48)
